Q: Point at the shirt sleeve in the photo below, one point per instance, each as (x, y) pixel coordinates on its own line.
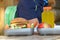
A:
(45, 2)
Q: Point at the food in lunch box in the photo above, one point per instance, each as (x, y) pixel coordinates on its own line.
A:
(44, 25)
(17, 26)
(19, 21)
(30, 25)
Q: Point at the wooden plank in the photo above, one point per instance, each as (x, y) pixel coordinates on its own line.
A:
(16, 2)
(9, 2)
(2, 3)
(1, 20)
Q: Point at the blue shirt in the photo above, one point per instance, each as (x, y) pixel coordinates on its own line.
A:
(26, 9)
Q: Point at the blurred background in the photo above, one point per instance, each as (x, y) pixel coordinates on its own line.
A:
(5, 3)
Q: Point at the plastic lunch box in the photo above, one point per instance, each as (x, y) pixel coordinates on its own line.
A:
(8, 17)
(23, 31)
(44, 31)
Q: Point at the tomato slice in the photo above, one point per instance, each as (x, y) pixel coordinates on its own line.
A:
(28, 25)
(41, 25)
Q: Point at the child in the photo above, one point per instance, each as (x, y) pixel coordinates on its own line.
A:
(30, 9)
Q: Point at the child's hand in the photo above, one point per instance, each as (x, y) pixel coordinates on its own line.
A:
(34, 21)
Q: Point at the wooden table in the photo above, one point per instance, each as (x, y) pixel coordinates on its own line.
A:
(33, 37)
